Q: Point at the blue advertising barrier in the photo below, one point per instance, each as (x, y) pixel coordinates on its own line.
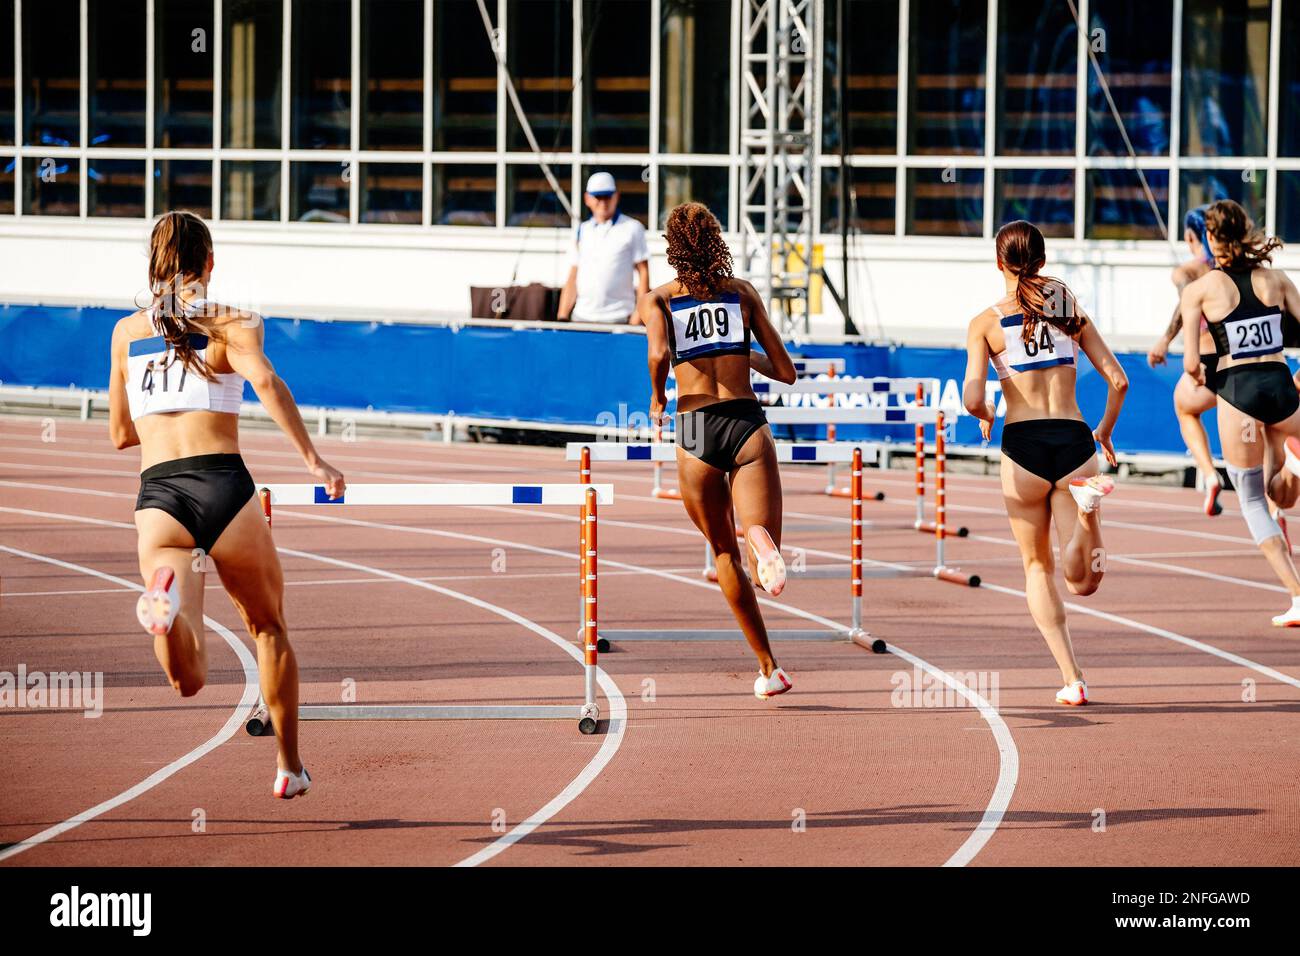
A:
(555, 375)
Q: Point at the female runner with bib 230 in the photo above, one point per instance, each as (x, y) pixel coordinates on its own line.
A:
(701, 323)
(178, 373)
(1049, 454)
(1259, 412)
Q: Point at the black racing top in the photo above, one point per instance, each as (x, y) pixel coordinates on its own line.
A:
(1248, 308)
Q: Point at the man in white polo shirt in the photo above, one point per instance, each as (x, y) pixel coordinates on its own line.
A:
(608, 250)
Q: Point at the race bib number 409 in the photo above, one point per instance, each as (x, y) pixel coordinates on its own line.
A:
(703, 327)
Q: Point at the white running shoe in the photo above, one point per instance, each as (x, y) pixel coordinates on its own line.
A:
(1088, 492)
(289, 785)
(1212, 506)
(1074, 694)
(160, 603)
(1290, 617)
(1292, 447)
(771, 566)
(778, 683)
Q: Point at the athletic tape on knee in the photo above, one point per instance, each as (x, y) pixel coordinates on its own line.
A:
(1254, 503)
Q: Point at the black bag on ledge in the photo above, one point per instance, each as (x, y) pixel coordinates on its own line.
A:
(534, 302)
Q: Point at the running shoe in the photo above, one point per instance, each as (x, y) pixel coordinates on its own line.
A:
(771, 566)
(1088, 492)
(1075, 694)
(1212, 507)
(1290, 617)
(1292, 447)
(778, 683)
(289, 785)
(160, 603)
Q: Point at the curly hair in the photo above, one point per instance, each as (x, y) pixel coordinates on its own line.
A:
(1245, 246)
(696, 249)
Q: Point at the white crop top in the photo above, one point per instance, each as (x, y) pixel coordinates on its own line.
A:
(157, 381)
(1050, 346)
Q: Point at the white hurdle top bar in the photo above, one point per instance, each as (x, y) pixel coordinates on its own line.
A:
(843, 386)
(815, 366)
(438, 495)
(787, 452)
(904, 415)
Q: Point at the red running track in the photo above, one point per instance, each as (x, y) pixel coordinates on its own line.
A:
(1188, 755)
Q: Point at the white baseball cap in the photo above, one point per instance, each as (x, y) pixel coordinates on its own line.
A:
(601, 184)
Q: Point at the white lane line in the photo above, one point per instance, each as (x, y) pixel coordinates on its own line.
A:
(613, 736)
(617, 703)
(1167, 635)
(1008, 755)
(233, 725)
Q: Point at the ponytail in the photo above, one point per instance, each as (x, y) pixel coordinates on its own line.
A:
(1039, 298)
(178, 253)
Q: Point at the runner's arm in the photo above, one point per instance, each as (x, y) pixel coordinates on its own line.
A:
(120, 427)
(245, 354)
(778, 359)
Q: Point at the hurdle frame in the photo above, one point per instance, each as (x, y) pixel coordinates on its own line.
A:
(788, 452)
(587, 496)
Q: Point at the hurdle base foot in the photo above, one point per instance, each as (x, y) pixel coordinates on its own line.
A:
(954, 576)
(928, 527)
(588, 719)
(848, 493)
(670, 494)
(259, 724)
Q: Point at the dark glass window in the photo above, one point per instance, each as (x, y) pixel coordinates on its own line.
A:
(945, 202)
(116, 106)
(52, 187)
(183, 184)
(322, 75)
(250, 190)
(870, 95)
(1198, 187)
(616, 76)
(633, 190)
(183, 67)
(8, 165)
(1288, 205)
(539, 53)
(532, 201)
(872, 194)
(251, 84)
(706, 184)
(319, 192)
(1036, 78)
(695, 76)
(1116, 205)
(464, 78)
(1288, 126)
(7, 81)
(115, 187)
(464, 194)
(1134, 48)
(392, 192)
(1045, 197)
(51, 88)
(1225, 77)
(392, 74)
(945, 100)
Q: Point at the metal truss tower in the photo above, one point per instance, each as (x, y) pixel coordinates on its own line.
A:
(780, 73)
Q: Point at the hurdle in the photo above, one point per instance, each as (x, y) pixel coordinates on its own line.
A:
(875, 385)
(587, 496)
(786, 452)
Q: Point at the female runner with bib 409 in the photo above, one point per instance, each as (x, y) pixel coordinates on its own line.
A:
(1049, 454)
(702, 323)
(178, 373)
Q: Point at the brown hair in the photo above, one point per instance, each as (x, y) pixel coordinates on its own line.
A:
(1021, 251)
(696, 249)
(178, 256)
(1245, 245)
